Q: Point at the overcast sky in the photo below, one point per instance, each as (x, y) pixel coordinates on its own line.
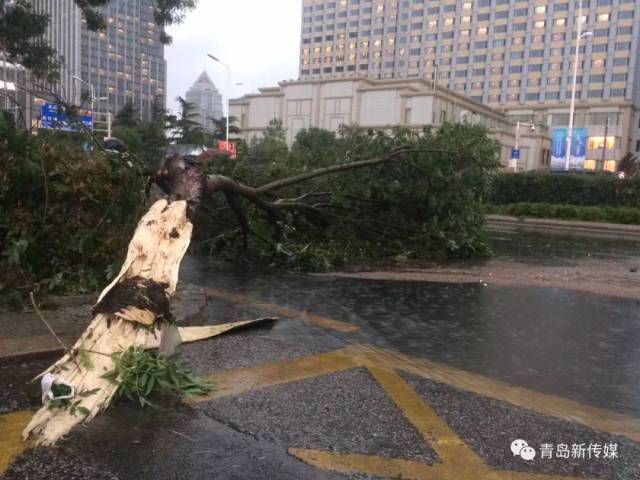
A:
(258, 39)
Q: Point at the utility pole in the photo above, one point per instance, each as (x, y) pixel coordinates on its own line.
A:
(579, 36)
(604, 147)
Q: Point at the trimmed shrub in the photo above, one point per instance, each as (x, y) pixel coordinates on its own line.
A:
(568, 189)
(624, 215)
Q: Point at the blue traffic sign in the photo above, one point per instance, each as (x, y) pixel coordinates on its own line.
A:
(515, 153)
(53, 117)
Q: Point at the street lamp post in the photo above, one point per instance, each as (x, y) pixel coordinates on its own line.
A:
(514, 160)
(572, 107)
(92, 90)
(226, 67)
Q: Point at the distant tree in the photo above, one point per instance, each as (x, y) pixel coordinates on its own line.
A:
(128, 116)
(220, 127)
(187, 129)
(629, 165)
(314, 147)
(21, 38)
(272, 146)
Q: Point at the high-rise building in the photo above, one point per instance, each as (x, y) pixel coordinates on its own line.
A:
(124, 63)
(207, 99)
(511, 54)
(15, 94)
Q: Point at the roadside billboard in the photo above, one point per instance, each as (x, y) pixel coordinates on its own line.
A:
(559, 148)
(579, 148)
(54, 118)
(228, 147)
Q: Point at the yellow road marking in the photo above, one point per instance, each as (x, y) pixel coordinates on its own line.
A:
(318, 320)
(407, 469)
(238, 381)
(11, 444)
(449, 447)
(546, 404)
(235, 382)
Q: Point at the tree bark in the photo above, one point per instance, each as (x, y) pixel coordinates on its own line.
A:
(155, 253)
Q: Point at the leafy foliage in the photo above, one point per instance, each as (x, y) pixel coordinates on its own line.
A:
(21, 37)
(428, 204)
(140, 373)
(146, 140)
(187, 129)
(167, 12)
(22, 30)
(220, 127)
(67, 215)
(629, 165)
(569, 189)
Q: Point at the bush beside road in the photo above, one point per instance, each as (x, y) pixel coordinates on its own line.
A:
(566, 189)
(620, 215)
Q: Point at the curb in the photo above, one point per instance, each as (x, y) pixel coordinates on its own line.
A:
(190, 300)
(509, 224)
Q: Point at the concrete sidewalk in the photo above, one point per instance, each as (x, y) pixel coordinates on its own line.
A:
(24, 335)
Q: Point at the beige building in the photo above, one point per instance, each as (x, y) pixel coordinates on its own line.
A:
(516, 55)
(381, 104)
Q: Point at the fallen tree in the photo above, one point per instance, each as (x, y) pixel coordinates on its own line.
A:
(133, 311)
(418, 188)
(360, 196)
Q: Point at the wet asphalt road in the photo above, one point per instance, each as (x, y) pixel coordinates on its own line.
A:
(574, 346)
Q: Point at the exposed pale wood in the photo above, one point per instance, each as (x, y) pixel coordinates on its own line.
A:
(195, 334)
(155, 252)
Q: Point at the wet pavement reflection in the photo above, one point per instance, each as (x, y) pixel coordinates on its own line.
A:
(580, 346)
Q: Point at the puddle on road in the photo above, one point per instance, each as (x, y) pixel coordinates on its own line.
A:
(559, 250)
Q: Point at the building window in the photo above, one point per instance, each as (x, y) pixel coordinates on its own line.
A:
(532, 96)
(618, 92)
(541, 9)
(595, 94)
(625, 14)
(596, 143)
(603, 17)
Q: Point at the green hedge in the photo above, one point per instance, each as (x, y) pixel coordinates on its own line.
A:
(625, 215)
(66, 216)
(568, 189)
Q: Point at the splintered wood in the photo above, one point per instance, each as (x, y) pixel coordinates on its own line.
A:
(153, 258)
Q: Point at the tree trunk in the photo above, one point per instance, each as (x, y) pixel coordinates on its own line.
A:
(155, 252)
